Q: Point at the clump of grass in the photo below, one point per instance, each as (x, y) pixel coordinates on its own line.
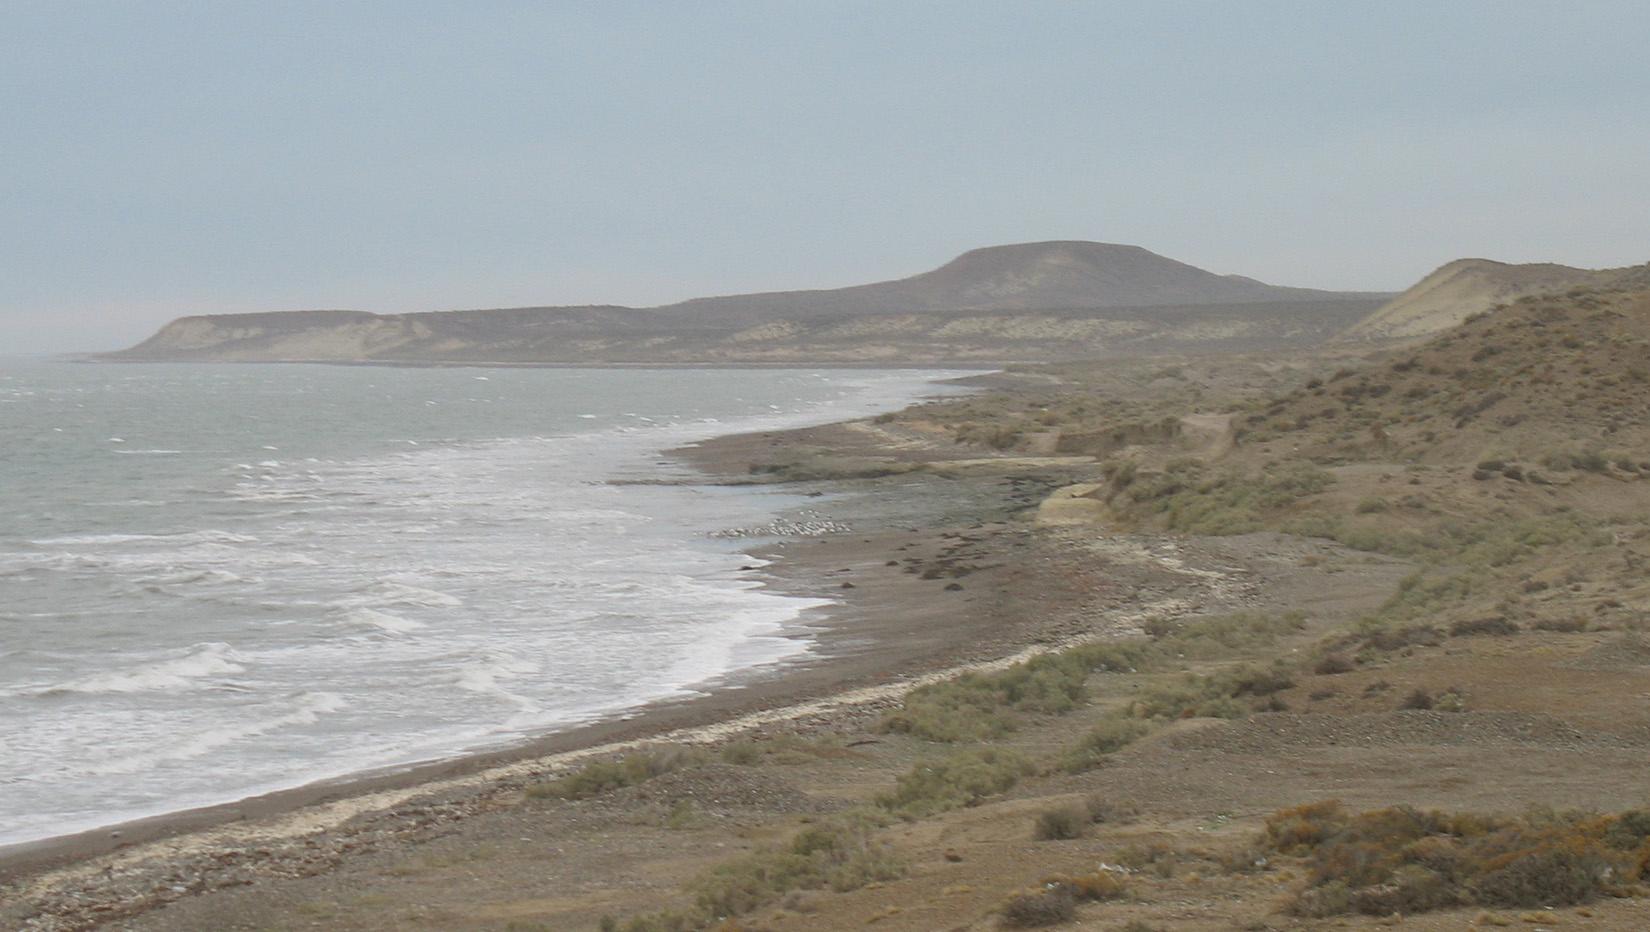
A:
(683, 816)
(1420, 700)
(1109, 736)
(1408, 861)
(1102, 809)
(1333, 665)
(742, 753)
(1159, 858)
(602, 776)
(979, 706)
(1055, 900)
(1226, 502)
(840, 854)
(1043, 908)
(1491, 626)
(1215, 696)
(1061, 823)
(1191, 697)
(1222, 635)
(1561, 625)
(963, 778)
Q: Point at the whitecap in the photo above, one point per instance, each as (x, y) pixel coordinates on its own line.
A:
(483, 675)
(311, 706)
(177, 674)
(383, 621)
(385, 592)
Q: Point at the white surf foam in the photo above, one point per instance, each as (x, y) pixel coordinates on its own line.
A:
(383, 621)
(189, 671)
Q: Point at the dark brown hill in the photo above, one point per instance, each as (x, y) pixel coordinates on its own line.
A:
(1025, 276)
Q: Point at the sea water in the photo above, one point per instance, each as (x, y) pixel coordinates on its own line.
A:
(222, 580)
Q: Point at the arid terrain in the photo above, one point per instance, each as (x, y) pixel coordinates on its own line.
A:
(1030, 301)
(1235, 640)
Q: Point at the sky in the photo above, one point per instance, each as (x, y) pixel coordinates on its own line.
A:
(160, 158)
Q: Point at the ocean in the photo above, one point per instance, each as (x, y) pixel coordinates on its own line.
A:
(222, 580)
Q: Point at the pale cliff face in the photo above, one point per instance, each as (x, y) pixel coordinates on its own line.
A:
(1465, 287)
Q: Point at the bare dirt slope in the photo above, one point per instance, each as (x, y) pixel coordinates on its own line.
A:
(1466, 287)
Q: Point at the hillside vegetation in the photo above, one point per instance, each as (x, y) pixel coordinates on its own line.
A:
(1505, 463)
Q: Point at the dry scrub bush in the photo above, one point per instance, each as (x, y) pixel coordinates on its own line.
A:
(1042, 908)
(1055, 901)
(1491, 626)
(1403, 860)
(1103, 810)
(1061, 823)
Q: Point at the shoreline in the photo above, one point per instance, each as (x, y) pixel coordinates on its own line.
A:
(120, 829)
(939, 574)
(869, 649)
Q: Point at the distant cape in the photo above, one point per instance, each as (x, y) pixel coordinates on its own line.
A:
(1030, 301)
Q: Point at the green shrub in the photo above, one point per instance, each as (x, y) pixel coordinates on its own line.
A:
(978, 706)
(841, 854)
(960, 779)
(1224, 502)
(1109, 736)
(1192, 696)
(1222, 635)
(602, 776)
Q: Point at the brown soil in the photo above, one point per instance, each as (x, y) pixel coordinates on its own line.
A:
(1517, 608)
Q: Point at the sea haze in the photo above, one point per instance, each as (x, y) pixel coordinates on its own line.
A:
(217, 581)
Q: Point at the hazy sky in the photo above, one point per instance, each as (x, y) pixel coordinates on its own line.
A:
(159, 159)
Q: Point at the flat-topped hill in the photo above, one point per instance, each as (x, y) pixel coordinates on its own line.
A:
(1025, 276)
(1034, 301)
